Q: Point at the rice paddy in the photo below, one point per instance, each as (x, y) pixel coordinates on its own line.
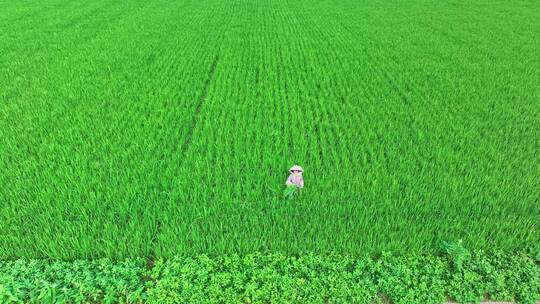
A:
(162, 128)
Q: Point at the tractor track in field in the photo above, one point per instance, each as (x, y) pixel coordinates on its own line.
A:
(396, 87)
(198, 106)
(183, 148)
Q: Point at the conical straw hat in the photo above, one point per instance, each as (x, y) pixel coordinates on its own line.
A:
(296, 168)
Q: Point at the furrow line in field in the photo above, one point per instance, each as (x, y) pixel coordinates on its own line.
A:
(172, 80)
(198, 106)
(193, 135)
(186, 143)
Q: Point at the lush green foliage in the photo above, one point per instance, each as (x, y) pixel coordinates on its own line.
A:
(40, 281)
(159, 128)
(498, 275)
(456, 251)
(132, 125)
(291, 192)
(276, 278)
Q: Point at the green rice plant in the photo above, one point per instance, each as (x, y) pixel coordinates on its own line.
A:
(291, 192)
(456, 251)
(534, 251)
(42, 281)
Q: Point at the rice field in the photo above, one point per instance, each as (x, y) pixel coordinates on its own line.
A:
(162, 128)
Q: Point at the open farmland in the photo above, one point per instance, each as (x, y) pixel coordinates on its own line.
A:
(162, 128)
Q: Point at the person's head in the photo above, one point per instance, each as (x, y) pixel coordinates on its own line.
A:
(296, 170)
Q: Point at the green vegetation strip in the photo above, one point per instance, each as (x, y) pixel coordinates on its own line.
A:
(277, 278)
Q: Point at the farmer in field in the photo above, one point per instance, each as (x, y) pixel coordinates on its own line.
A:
(296, 178)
